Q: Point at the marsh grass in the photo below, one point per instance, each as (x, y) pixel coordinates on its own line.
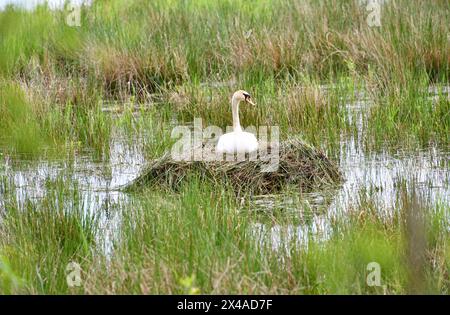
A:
(31, 125)
(179, 60)
(39, 238)
(139, 46)
(413, 114)
(283, 52)
(203, 240)
(19, 127)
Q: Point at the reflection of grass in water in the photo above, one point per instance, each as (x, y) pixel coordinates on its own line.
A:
(201, 234)
(39, 238)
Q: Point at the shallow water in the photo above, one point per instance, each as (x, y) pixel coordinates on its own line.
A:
(98, 182)
(376, 174)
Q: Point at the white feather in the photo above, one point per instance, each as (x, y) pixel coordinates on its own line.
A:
(237, 142)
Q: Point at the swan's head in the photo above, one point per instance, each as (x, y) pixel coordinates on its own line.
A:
(242, 95)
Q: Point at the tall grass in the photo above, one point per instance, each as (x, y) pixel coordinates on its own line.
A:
(39, 239)
(30, 124)
(281, 51)
(138, 46)
(19, 127)
(203, 240)
(256, 40)
(411, 115)
(173, 61)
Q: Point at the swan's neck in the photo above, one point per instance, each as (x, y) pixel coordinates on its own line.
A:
(235, 110)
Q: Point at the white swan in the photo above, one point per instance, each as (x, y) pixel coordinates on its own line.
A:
(237, 141)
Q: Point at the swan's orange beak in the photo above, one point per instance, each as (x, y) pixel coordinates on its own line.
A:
(249, 100)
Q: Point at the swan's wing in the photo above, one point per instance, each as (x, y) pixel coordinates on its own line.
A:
(224, 143)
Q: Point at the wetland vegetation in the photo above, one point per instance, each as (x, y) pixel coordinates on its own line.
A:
(84, 109)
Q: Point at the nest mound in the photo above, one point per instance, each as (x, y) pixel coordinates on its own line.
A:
(298, 163)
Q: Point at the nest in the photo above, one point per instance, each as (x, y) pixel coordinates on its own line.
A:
(298, 164)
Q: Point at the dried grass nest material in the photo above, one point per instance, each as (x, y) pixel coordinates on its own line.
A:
(299, 164)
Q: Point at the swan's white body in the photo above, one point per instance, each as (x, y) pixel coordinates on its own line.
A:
(237, 141)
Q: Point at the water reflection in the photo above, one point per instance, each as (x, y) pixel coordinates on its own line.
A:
(376, 174)
(96, 182)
